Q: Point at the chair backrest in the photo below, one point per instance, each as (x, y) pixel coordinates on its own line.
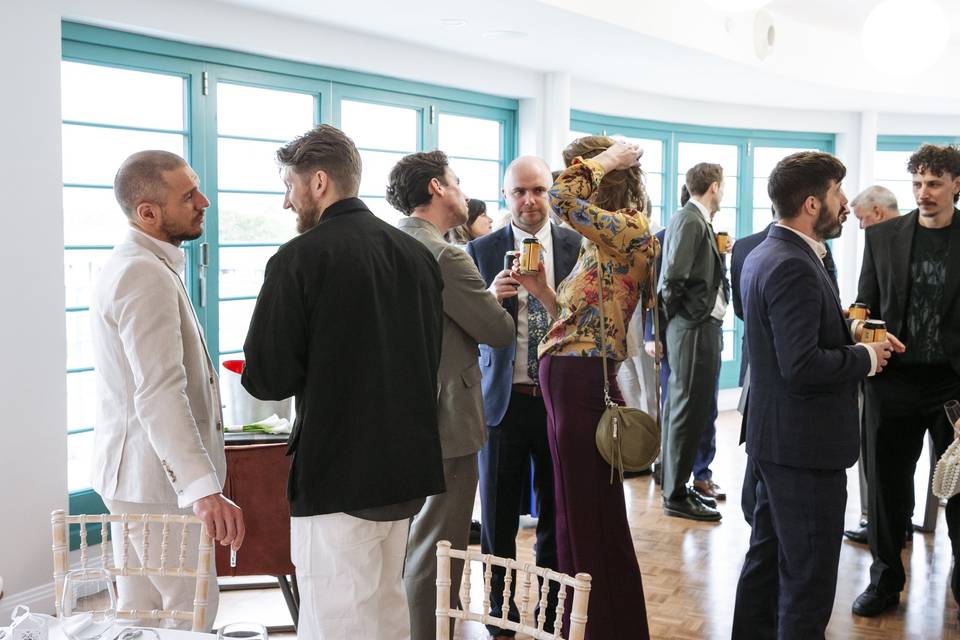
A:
(526, 572)
(172, 558)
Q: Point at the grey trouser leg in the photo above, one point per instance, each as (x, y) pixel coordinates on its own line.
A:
(694, 366)
(444, 517)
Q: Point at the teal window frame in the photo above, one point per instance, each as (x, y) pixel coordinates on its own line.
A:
(672, 134)
(201, 67)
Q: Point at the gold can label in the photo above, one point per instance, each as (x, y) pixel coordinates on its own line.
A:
(723, 242)
(530, 256)
(859, 311)
(874, 331)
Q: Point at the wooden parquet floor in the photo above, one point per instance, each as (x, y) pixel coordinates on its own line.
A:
(690, 569)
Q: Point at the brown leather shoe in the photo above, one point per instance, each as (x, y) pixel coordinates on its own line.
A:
(710, 489)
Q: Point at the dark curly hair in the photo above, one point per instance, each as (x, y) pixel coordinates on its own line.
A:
(936, 159)
(408, 186)
(619, 189)
(799, 176)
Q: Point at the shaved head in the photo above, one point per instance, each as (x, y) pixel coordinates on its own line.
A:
(526, 165)
(140, 179)
(525, 185)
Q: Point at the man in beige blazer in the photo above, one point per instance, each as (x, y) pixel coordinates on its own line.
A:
(158, 438)
(425, 188)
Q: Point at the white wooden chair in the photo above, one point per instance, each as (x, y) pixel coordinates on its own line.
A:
(526, 572)
(202, 573)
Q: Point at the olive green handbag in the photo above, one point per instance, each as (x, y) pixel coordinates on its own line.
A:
(628, 439)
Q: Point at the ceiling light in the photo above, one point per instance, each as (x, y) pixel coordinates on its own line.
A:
(903, 37)
(737, 5)
(453, 22)
(504, 34)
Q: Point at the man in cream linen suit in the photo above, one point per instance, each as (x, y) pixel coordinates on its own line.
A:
(424, 187)
(158, 440)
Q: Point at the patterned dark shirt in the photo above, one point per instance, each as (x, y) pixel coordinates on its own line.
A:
(928, 271)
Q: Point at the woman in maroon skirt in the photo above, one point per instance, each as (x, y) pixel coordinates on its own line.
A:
(601, 196)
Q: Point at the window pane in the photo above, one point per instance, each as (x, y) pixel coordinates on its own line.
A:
(377, 126)
(728, 346)
(241, 270)
(376, 170)
(234, 321)
(766, 158)
(653, 182)
(248, 166)
(656, 214)
(891, 165)
(249, 217)
(478, 178)
(241, 112)
(691, 153)
(81, 400)
(574, 135)
(81, 270)
(761, 219)
(903, 190)
(79, 460)
(92, 155)
(79, 340)
(726, 220)
(652, 159)
(761, 198)
(731, 187)
(92, 217)
(106, 95)
(383, 210)
(469, 137)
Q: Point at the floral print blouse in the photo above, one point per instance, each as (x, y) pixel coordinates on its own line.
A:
(626, 250)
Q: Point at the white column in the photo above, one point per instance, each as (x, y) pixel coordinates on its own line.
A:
(554, 118)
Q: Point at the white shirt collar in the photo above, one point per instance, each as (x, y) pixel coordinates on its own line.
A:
(703, 210)
(543, 235)
(819, 248)
(173, 254)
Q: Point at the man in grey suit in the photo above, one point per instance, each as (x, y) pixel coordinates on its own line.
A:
(425, 188)
(694, 303)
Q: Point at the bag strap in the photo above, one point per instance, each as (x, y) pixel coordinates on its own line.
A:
(603, 328)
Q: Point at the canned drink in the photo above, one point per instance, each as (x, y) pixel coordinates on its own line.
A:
(859, 311)
(723, 242)
(530, 256)
(874, 331)
(508, 259)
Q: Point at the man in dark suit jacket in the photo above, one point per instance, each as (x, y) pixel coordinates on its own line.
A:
(350, 321)
(694, 302)
(910, 279)
(802, 425)
(512, 402)
(741, 249)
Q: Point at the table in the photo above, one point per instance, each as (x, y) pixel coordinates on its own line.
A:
(165, 634)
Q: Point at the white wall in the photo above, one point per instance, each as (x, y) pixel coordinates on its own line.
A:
(32, 328)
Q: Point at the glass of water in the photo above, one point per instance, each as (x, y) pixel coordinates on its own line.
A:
(246, 630)
(88, 607)
(952, 407)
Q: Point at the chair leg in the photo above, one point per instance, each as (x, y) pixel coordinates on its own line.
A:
(291, 596)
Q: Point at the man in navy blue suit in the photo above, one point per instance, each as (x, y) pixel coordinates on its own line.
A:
(512, 402)
(802, 418)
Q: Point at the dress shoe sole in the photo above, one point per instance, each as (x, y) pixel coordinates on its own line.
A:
(678, 513)
(885, 604)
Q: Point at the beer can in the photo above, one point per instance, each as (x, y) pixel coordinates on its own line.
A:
(508, 259)
(874, 331)
(859, 311)
(530, 256)
(723, 241)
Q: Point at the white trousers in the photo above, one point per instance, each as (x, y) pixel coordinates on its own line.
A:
(350, 574)
(154, 592)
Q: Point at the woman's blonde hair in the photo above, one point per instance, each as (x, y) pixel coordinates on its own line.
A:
(619, 189)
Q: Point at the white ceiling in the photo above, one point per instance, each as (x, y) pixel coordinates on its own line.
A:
(679, 48)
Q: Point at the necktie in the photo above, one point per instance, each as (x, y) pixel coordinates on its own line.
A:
(537, 324)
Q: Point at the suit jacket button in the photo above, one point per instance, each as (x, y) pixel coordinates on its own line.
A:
(219, 425)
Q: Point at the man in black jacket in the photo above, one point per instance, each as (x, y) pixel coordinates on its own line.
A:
(911, 280)
(350, 321)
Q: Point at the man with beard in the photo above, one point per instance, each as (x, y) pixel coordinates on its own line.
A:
(911, 279)
(512, 401)
(349, 320)
(424, 187)
(802, 423)
(158, 439)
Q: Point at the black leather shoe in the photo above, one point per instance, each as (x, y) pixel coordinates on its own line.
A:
(873, 602)
(704, 500)
(657, 471)
(858, 535)
(690, 508)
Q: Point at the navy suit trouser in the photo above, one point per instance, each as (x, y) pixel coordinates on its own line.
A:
(789, 576)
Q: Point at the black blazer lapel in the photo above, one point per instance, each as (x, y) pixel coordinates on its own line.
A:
(952, 286)
(901, 243)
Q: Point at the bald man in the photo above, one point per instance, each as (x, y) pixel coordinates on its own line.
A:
(512, 402)
(874, 204)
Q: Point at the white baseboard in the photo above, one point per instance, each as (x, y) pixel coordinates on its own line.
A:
(40, 598)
